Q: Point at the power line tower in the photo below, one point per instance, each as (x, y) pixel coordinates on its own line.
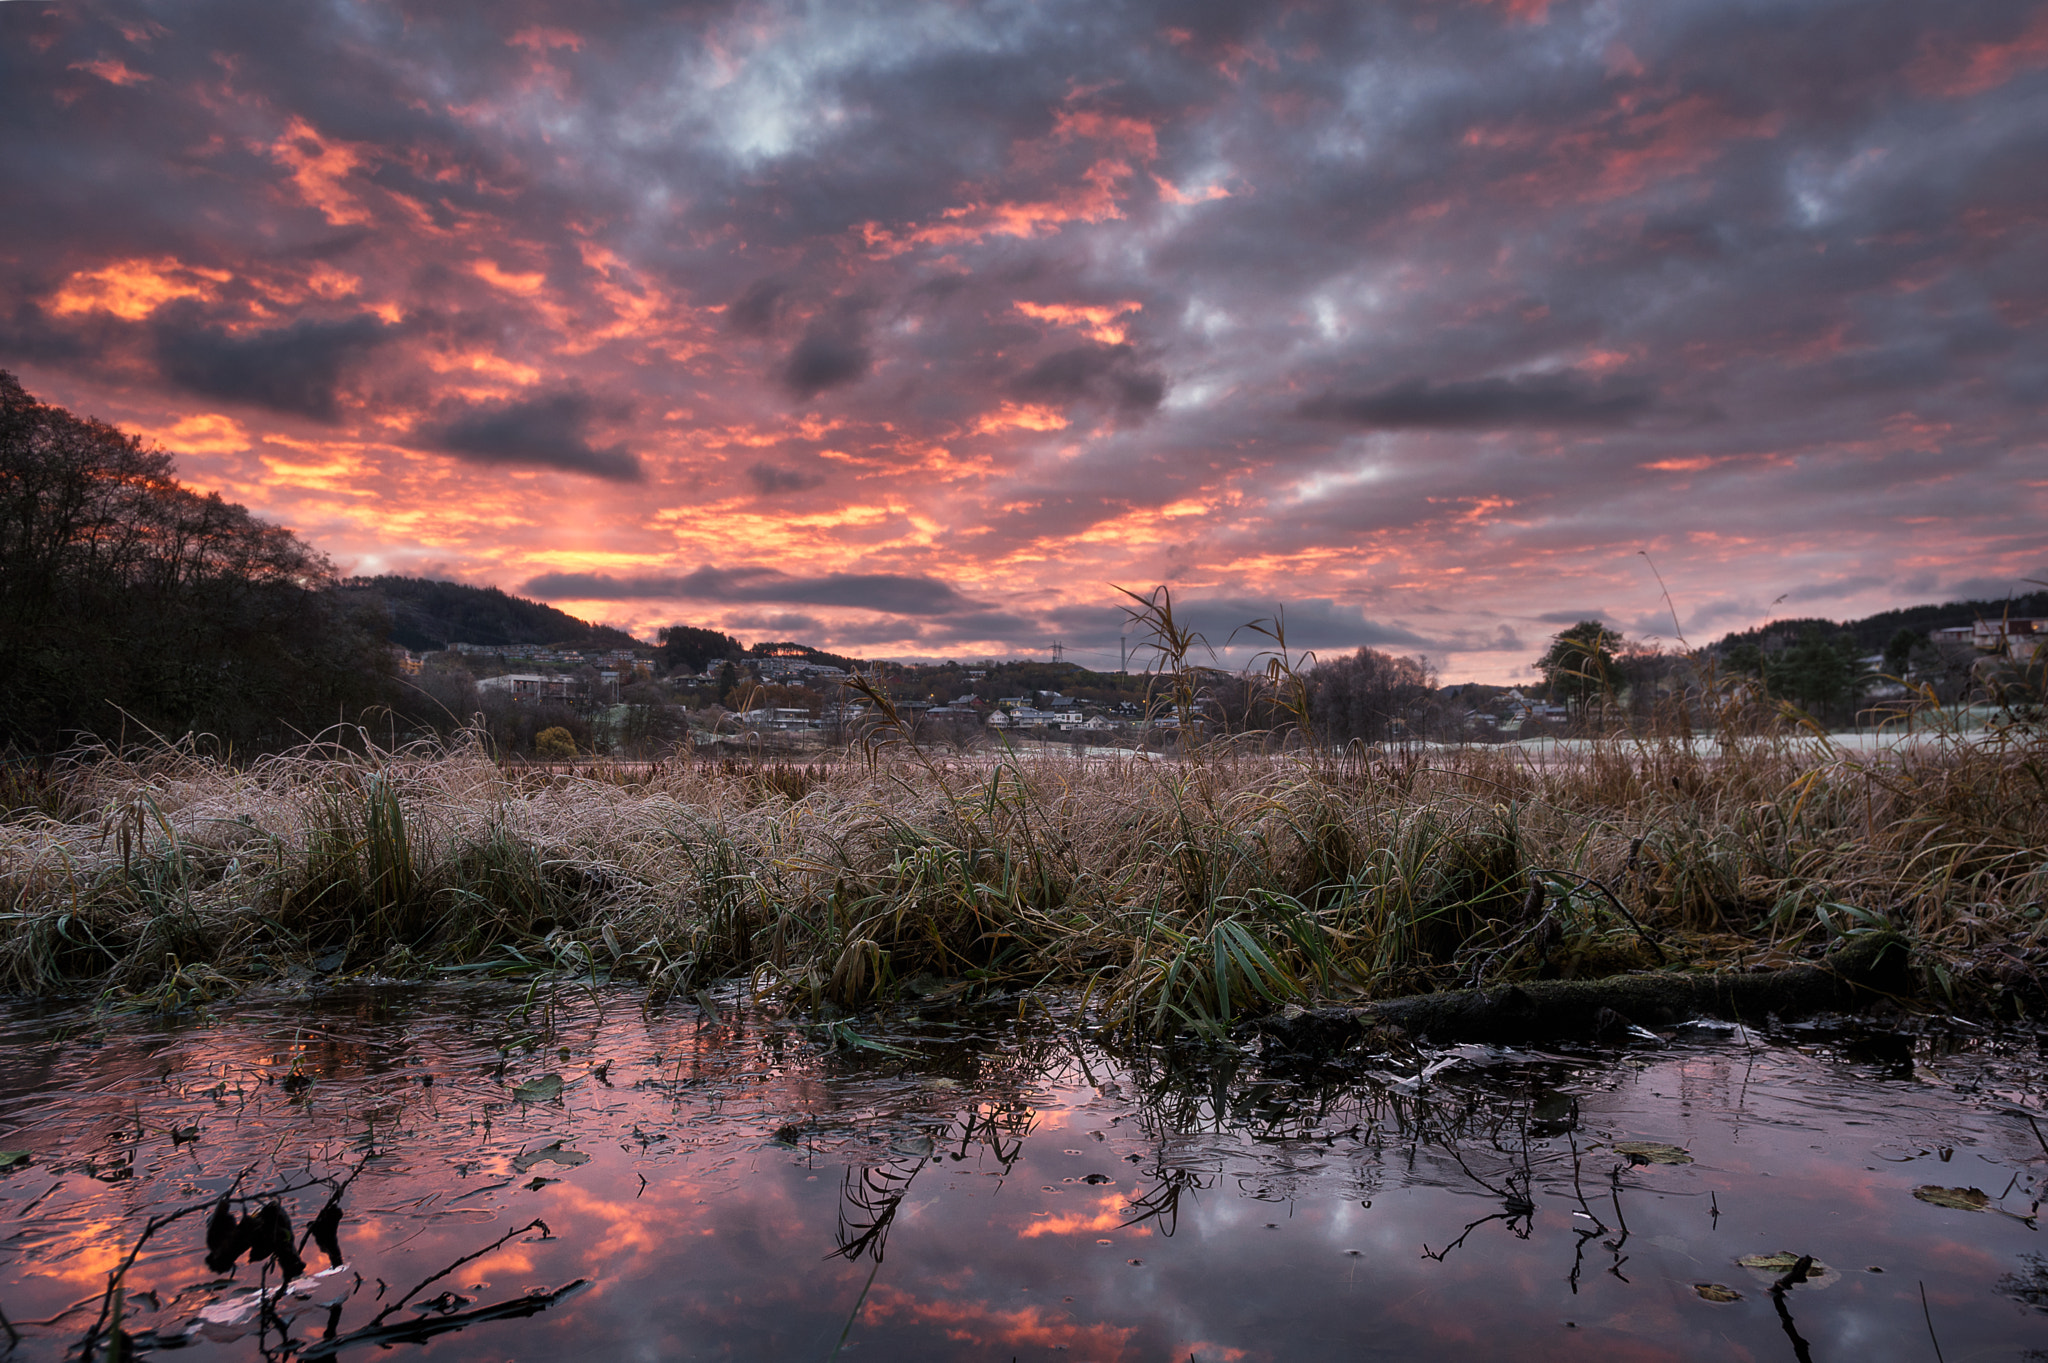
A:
(1059, 651)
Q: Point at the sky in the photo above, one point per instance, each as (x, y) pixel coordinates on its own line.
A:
(919, 330)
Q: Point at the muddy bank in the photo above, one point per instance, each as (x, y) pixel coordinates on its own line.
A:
(1861, 973)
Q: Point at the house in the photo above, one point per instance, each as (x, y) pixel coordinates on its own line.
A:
(2021, 639)
(530, 686)
(775, 717)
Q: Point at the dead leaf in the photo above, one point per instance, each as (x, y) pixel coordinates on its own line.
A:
(539, 1090)
(1784, 1261)
(1716, 1292)
(1961, 1199)
(1651, 1152)
(549, 1154)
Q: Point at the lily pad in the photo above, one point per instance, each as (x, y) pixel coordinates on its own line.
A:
(1784, 1261)
(1769, 1268)
(1961, 1199)
(1651, 1152)
(12, 1159)
(1716, 1292)
(539, 1090)
(549, 1154)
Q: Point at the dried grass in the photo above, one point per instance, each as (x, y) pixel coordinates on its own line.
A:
(1183, 894)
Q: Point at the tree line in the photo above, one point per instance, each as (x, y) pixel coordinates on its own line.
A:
(131, 605)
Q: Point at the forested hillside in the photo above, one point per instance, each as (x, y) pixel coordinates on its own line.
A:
(1874, 633)
(132, 606)
(428, 614)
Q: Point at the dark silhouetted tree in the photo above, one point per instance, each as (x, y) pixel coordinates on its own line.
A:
(1369, 696)
(686, 648)
(1579, 667)
(126, 596)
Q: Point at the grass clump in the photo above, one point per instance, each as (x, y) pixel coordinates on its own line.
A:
(1184, 894)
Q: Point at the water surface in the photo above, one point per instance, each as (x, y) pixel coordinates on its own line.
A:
(959, 1184)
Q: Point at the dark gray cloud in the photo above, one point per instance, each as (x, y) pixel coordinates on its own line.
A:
(548, 431)
(1536, 400)
(1414, 307)
(1108, 374)
(833, 352)
(770, 480)
(754, 312)
(893, 593)
(297, 369)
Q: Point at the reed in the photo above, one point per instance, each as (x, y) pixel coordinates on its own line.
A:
(1181, 894)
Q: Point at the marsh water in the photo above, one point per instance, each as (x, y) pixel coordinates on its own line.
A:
(567, 1173)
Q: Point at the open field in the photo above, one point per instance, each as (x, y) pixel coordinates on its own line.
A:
(1183, 893)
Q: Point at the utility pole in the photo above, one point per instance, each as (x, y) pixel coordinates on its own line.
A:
(1123, 654)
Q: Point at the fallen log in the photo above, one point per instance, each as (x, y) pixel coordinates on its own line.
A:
(1858, 974)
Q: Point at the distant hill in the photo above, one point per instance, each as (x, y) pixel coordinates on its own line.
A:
(1874, 632)
(786, 649)
(426, 614)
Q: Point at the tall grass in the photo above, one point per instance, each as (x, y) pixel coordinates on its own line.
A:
(1182, 894)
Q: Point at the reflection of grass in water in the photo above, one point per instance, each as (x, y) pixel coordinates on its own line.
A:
(2030, 1284)
(1189, 893)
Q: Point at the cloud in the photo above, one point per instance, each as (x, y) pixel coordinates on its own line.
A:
(770, 480)
(891, 593)
(548, 431)
(1107, 374)
(754, 312)
(297, 369)
(1537, 400)
(832, 353)
(1484, 273)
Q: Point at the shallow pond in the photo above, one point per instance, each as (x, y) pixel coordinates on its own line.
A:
(952, 1184)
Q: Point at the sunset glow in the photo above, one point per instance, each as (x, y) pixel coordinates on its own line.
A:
(915, 332)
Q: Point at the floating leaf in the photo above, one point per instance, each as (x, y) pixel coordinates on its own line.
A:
(1784, 1261)
(549, 1154)
(1716, 1292)
(326, 1229)
(539, 1090)
(13, 1159)
(1651, 1152)
(1961, 1199)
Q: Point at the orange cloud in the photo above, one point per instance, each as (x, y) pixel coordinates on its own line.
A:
(1111, 1212)
(1095, 200)
(1013, 416)
(112, 71)
(1947, 68)
(1135, 135)
(1099, 322)
(318, 169)
(1523, 11)
(1173, 195)
(538, 38)
(206, 433)
(525, 285)
(133, 289)
(988, 1326)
